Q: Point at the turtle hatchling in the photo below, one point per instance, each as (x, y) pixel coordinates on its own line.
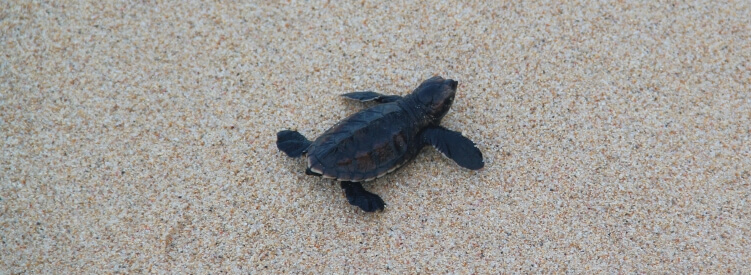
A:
(375, 141)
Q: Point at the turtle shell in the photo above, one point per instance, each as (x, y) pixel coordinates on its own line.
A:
(366, 145)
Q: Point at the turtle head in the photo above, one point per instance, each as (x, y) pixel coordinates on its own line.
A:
(437, 95)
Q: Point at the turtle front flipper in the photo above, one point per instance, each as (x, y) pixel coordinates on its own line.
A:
(292, 143)
(454, 146)
(358, 196)
(372, 96)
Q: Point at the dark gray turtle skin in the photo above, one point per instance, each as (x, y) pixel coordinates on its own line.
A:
(376, 141)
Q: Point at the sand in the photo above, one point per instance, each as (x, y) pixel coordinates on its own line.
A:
(139, 137)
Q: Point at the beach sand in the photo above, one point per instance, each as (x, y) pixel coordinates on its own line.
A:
(139, 137)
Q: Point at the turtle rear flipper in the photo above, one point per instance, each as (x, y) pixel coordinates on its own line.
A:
(292, 143)
(372, 96)
(358, 196)
(454, 146)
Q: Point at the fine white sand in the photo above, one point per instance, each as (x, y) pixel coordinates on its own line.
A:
(139, 137)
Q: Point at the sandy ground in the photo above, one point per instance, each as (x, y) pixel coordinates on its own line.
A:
(140, 137)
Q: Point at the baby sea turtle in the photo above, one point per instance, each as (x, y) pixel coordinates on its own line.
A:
(373, 142)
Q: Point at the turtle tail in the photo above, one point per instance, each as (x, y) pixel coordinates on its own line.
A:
(292, 143)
